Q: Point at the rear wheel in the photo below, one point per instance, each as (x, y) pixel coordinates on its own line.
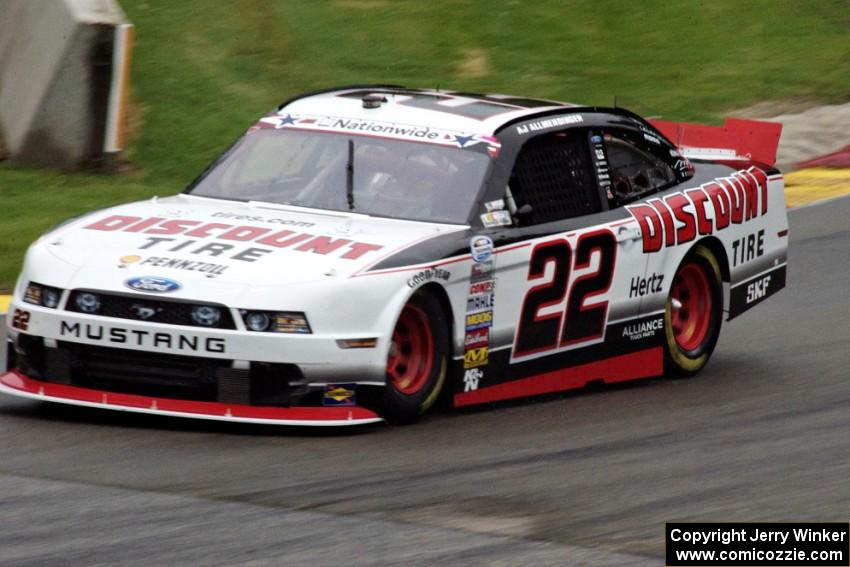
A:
(418, 360)
(693, 313)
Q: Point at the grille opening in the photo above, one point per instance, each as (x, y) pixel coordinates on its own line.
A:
(158, 375)
(28, 356)
(144, 373)
(164, 311)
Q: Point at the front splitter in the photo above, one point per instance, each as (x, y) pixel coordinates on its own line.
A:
(18, 384)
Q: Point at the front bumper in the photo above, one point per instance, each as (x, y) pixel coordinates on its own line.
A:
(17, 384)
(318, 357)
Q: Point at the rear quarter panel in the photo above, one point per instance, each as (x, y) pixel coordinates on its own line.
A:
(739, 214)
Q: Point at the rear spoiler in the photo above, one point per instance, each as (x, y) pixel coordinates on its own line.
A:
(736, 141)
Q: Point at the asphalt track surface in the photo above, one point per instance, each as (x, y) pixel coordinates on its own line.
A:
(587, 478)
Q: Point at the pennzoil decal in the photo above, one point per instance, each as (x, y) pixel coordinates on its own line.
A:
(207, 268)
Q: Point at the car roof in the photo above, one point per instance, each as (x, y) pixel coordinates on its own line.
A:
(432, 108)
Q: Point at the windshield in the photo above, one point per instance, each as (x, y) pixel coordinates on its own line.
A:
(393, 178)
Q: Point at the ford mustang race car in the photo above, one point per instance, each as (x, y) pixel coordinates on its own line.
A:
(361, 253)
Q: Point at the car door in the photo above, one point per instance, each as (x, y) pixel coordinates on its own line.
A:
(637, 169)
(566, 276)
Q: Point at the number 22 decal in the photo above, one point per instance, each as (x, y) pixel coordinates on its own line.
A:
(578, 322)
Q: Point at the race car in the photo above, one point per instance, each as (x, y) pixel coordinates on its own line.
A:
(362, 253)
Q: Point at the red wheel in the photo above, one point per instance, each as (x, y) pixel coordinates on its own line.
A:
(693, 313)
(691, 307)
(417, 360)
(411, 354)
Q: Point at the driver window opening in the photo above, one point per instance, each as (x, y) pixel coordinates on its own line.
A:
(553, 175)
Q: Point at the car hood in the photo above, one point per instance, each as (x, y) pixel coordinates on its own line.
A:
(186, 238)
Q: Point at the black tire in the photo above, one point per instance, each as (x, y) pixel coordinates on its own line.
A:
(414, 384)
(692, 320)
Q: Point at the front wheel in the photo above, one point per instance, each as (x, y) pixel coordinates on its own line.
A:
(693, 313)
(418, 360)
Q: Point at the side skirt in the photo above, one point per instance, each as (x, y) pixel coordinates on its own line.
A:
(641, 364)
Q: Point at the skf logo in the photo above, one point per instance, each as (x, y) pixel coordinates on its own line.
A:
(21, 319)
(758, 289)
(338, 395)
(475, 357)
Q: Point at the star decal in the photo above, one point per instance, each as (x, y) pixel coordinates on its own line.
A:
(284, 120)
(463, 140)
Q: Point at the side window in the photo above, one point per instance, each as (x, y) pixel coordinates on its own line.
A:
(634, 169)
(552, 175)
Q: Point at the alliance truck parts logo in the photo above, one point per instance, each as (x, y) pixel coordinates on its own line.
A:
(643, 329)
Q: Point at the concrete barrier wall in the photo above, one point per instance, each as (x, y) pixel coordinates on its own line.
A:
(57, 63)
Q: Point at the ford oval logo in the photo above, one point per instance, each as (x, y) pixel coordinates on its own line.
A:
(152, 284)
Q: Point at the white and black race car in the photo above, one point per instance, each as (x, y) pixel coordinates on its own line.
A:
(363, 252)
